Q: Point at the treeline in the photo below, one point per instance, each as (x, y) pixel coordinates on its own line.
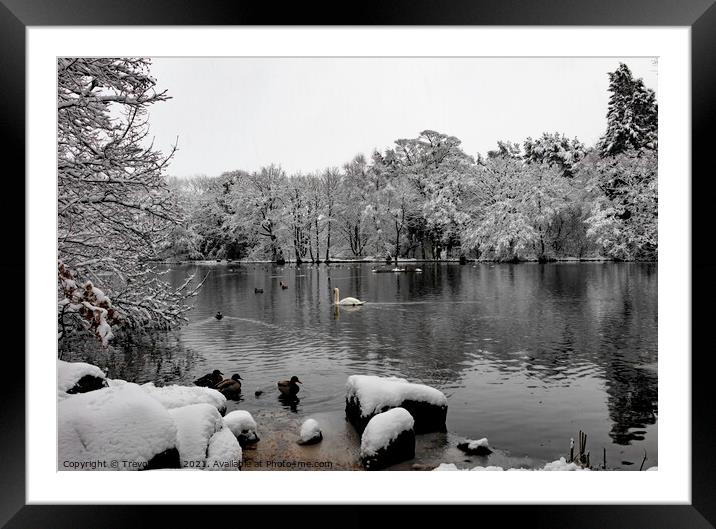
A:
(550, 197)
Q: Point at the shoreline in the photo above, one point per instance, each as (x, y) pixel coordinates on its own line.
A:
(401, 261)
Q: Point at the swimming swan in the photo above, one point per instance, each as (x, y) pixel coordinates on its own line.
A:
(345, 301)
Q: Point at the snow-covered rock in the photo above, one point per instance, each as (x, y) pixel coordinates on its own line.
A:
(310, 432)
(195, 424)
(224, 452)
(243, 426)
(367, 396)
(388, 439)
(475, 448)
(175, 396)
(78, 377)
(120, 424)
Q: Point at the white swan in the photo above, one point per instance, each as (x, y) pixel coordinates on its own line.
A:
(345, 301)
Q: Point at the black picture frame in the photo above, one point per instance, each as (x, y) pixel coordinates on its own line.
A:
(699, 15)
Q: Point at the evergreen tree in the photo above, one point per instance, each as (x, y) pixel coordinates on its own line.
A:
(632, 116)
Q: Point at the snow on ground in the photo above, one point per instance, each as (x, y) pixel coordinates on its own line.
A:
(116, 423)
(310, 430)
(242, 425)
(179, 396)
(69, 373)
(224, 452)
(376, 393)
(558, 465)
(383, 429)
(195, 424)
(652, 468)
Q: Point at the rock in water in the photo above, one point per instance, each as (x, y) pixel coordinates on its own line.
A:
(476, 448)
(310, 433)
(243, 426)
(367, 396)
(388, 439)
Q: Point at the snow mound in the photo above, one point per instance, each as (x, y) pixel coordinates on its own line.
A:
(445, 467)
(224, 452)
(558, 465)
(116, 423)
(376, 393)
(652, 469)
(69, 373)
(480, 443)
(175, 396)
(195, 424)
(383, 429)
(310, 431)
(561, 465)
(243, 426)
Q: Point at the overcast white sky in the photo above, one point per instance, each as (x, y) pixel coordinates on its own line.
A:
(310, 113)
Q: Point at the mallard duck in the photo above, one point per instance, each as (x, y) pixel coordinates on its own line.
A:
(230, 387)
(210, 380)
(283, 285)
(258, 290)
(289, 387)
(219, 315)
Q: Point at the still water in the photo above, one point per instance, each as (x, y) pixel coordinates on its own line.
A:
(527, 354)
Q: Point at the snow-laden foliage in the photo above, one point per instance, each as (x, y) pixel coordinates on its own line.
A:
(624, 217)
(426, 198)
(555, 150)
(632, 117)
(115, 209)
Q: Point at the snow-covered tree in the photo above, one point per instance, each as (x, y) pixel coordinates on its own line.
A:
(624, 217)
(115, 209)
(632, 115)
(258, 203)
(555, 150)
(351, 217)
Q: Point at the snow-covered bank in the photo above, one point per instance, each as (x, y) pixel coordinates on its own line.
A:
(126, 426)
(78, 377)
(558, 465)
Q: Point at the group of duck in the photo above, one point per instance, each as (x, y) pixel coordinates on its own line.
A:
(231, 387)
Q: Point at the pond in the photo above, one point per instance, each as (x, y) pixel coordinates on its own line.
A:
(527, 354)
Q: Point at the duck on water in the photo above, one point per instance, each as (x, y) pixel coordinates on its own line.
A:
(289, 388)
(230, 387)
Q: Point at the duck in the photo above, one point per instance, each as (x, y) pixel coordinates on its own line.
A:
(289, 387)
(219, 315)
(345, 301)
(230, 387)
(210, 380)
(258, 290)
(283, 285)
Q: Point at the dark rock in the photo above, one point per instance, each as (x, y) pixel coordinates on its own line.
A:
(428, 417)
(476, 451)
(312, 441)
(88, 383)
(167, 459)
(249, 438)
(402, 448)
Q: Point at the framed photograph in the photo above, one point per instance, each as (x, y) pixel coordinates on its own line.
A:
(348, 256)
